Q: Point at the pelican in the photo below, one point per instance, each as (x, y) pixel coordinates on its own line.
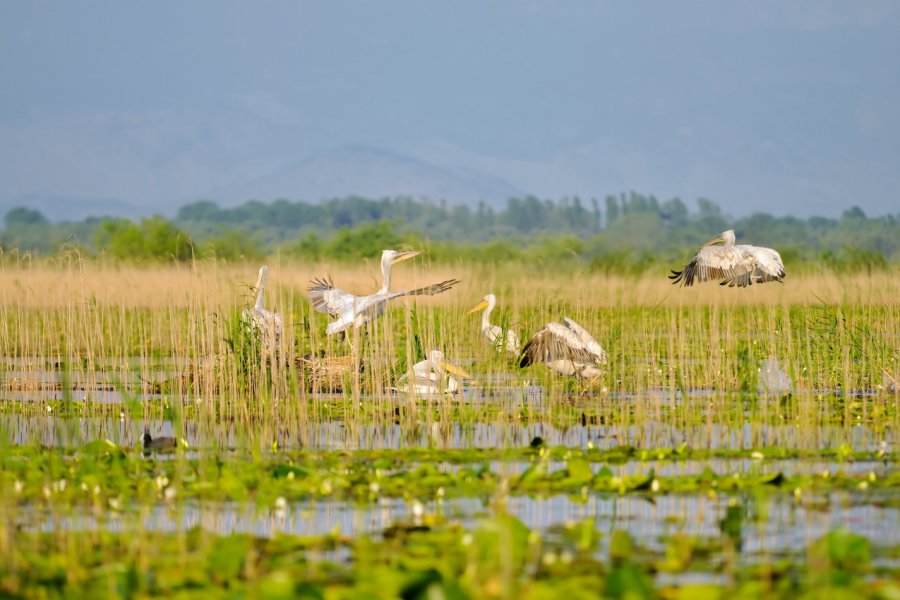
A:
(434, 375)
(268, 323)
(740, 265)
(494, 333)
(566, 348)
(355, 311)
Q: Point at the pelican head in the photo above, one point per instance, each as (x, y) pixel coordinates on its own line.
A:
(436, 358)
(263, 276)
(726, 237)
(488, 302)
(261, 285)
(390, 257)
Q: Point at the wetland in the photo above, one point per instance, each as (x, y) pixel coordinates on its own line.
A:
(683, 472)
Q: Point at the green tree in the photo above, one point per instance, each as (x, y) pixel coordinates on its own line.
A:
(153, 238)
(612, 210)
(23, 216)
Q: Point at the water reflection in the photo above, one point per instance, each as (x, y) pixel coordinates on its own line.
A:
(772, 526)
(309, 434)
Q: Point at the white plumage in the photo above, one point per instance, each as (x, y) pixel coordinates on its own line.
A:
(434, 375)
(354, 311)
(269, 324)
(740, 265)
(566, 348)
(494, 333)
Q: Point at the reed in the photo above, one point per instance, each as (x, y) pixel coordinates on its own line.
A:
(173, 334)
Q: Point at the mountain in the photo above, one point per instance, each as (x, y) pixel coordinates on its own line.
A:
(372, 173)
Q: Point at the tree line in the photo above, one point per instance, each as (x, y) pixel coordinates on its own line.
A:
(627, 232)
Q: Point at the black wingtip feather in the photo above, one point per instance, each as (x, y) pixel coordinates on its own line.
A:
(317, 284)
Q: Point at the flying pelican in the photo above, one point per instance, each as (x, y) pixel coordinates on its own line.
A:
(566, 348)
(355, 311)
(268, 323)
(494, 333)
(740, 265)
(434, 375)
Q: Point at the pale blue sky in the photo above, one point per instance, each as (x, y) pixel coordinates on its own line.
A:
(775, 106)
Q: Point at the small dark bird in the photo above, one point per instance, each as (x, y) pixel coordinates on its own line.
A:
(161, 443)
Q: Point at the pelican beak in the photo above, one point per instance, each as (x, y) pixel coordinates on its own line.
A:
(716, 240)
(451, 368)
(481, 306)
(405, 255)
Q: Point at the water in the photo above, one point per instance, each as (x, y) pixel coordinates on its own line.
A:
(786, 530)
(50, 430)
(102, 406)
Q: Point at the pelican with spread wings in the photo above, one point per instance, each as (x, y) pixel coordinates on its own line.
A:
(494, 334)
(566, 348)
(268, 323)
(434, 375)
(736, 265)
(355, 311)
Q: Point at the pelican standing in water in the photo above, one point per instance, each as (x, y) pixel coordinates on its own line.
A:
(434, 375)
(268, 323)
(740, 265)
(494, 333)
(355, 311)
(566, 348)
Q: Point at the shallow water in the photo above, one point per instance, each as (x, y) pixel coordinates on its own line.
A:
(786, 528)
(50, 430)
(775, 523)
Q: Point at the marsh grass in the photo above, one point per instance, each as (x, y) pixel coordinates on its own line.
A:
(679, 356)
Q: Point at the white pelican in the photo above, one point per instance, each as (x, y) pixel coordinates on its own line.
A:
(494, 333)
(268, 323)
(355, 311)
(773, 381)
(566, 348)
(740, 265)
(434, 375)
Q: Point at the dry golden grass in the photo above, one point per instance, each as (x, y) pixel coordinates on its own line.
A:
(216, 286)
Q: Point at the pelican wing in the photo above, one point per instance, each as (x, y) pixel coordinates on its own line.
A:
(326, 298)
(373, 305)
(733, 264)
(555, 342)
(428, 290)
(264, 319)
(494, 335)
(768, 265)
(587, 340)
(269, 324)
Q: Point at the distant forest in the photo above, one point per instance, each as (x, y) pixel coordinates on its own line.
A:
(628, 232)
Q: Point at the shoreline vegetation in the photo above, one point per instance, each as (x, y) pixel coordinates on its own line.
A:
(626, 234)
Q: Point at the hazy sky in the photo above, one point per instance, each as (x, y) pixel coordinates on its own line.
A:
(786, 107)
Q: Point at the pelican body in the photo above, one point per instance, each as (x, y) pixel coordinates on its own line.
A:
(432, 376)
(355, 311)
(494, 333)
(267, 322)
(740, 265)
(566, 348)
